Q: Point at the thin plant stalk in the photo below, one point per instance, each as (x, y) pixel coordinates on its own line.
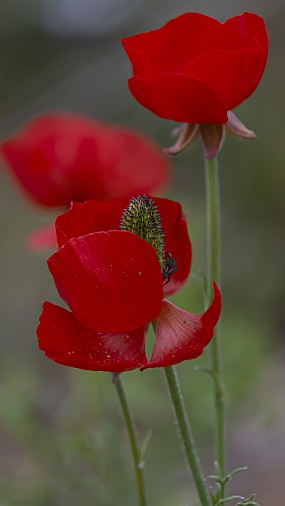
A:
(132, 435)
(186, 434)
(214, 273)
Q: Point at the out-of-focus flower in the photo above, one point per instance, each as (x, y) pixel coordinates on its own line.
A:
(42, 238)
(195, 69)
(116, 261)
(61, 157)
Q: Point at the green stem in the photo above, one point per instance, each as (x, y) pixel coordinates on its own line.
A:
(186, 434)
(132, 434)
(214, 273)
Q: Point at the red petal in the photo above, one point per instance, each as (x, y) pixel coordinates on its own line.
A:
(91, 216)
(66, 341)
(61, 157)
(181, 335)
(171, 47)
(110, 280)
(249, 31)
(130, 163)
(180, 98)
(177, 242)
(42, 238)
(94, 216)
(231, 74)
(190, 36)
(138, 58)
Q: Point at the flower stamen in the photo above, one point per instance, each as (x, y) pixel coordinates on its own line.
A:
(170, 267)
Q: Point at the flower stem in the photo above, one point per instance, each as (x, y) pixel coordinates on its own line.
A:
(132, 434)
(214, 273)
(186, 433)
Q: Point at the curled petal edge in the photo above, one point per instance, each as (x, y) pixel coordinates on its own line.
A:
(181, 335)
(236, 127)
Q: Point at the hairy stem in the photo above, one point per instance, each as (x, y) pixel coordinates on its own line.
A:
(214, 273)
(186, 434)
(132, 434)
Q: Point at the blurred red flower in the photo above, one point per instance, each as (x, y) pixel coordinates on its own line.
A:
(113, 283)
(195, 69)
(61, 157)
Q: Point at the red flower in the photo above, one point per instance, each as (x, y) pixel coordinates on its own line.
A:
(113, 282)
(61, 157)
(195, 69)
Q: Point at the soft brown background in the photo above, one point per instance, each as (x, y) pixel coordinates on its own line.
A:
(62, 440)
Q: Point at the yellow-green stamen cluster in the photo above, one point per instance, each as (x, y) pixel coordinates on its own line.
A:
(143, 219)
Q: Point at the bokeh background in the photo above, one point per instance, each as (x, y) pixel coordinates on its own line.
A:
(62, 440)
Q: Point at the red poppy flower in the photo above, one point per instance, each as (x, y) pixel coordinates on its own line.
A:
(114, 281)
(195, 69)
(61, 157)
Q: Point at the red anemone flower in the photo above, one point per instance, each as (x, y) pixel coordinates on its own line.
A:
(59, 157)
(195, 69)
(114, 282)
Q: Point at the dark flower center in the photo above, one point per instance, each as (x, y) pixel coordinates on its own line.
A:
(170, 266)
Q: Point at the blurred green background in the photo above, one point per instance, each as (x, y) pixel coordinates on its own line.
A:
(62, 440)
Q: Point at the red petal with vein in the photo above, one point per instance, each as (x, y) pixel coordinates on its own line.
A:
(43, 238)
(110, 280)
(180, 98)
(66, 341)
(234, 85)
(138, 58)
(88, 217)
(60, 157)
(181, 335)
(177, 242)
(249, 31)
(170, 48)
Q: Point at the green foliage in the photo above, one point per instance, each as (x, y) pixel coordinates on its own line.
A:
(248, 502)
(218, 497)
